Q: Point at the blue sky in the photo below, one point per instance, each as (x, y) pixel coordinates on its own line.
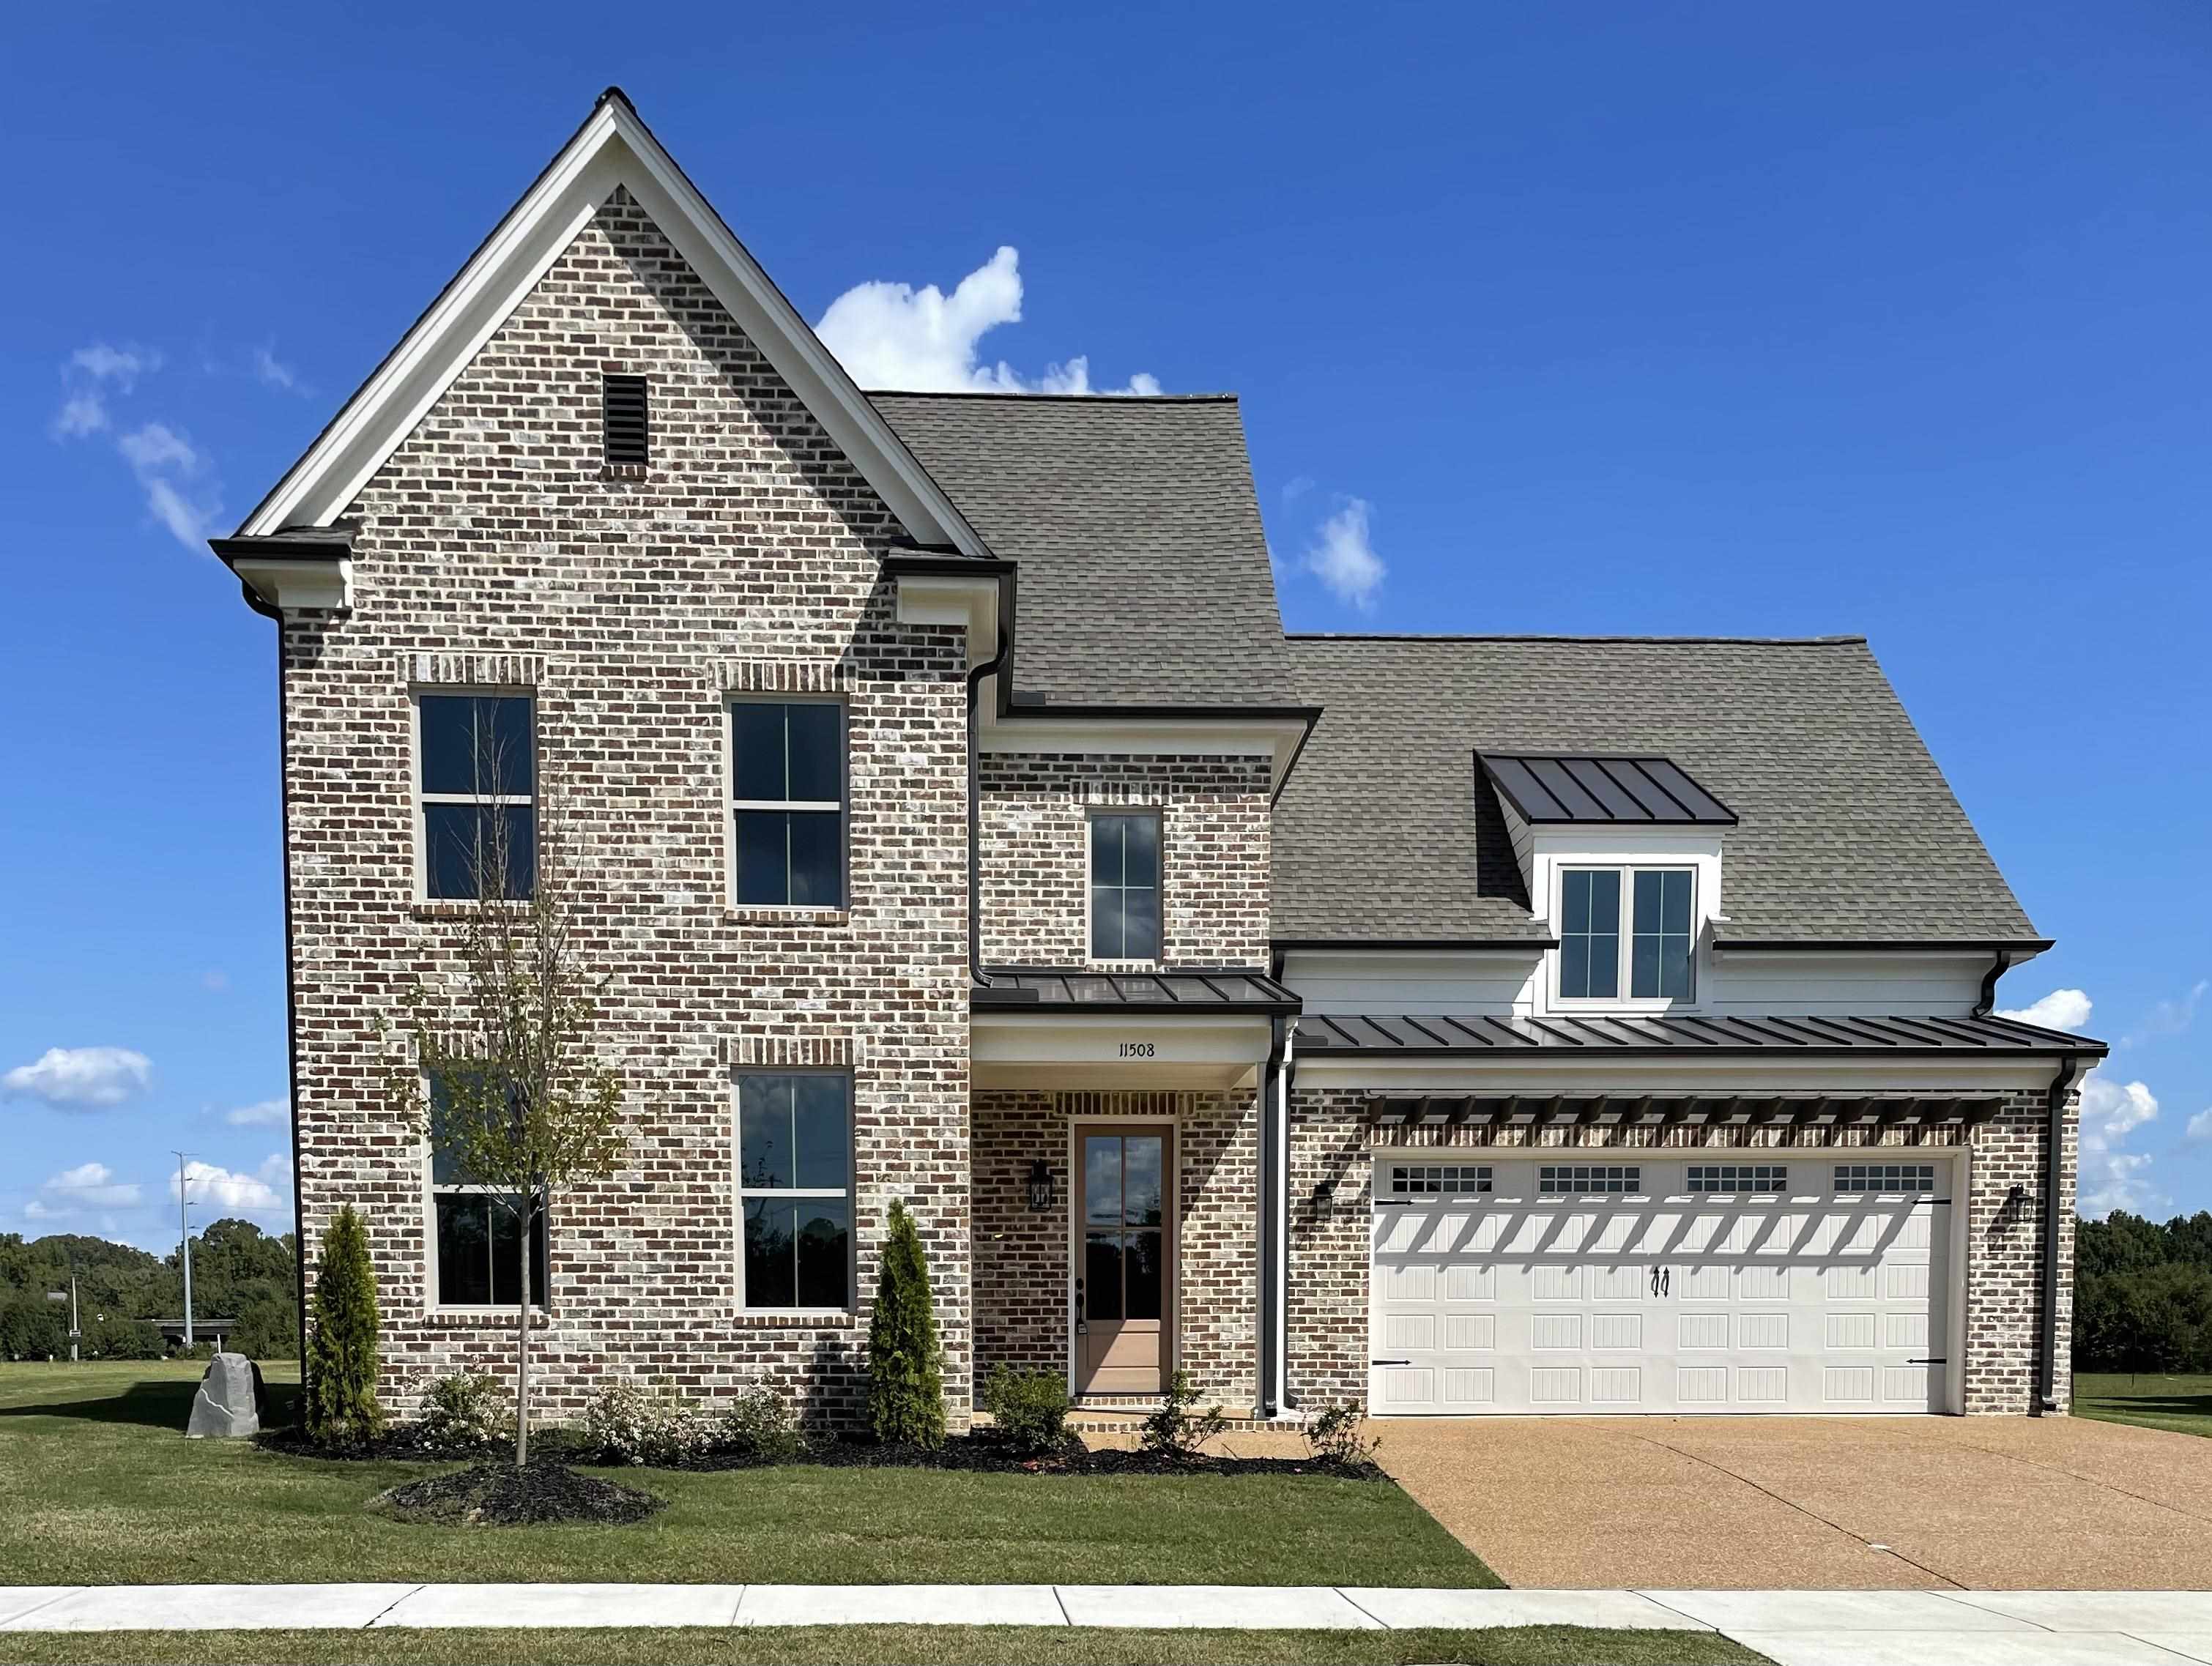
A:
(1656, 318)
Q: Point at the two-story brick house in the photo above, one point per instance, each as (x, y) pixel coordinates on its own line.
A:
(1453, 1024)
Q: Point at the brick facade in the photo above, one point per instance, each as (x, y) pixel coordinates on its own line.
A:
(1214, 854)
(1331, 1211)
(1021, 1258)
(492, 552)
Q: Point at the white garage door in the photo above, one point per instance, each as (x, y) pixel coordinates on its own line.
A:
(1764, 1280)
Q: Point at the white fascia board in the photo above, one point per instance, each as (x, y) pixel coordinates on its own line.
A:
(1750, 1076)
(1003, 1038)
(288, 583)
(931, 599)
(612, 148)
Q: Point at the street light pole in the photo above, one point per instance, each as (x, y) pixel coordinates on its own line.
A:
(185, 1230)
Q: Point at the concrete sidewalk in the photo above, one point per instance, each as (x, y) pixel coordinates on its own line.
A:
(1794, 1627)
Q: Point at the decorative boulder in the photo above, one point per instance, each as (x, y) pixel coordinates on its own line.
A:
(228, 1405)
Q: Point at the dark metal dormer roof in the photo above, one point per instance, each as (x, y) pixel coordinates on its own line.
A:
(1548, 789)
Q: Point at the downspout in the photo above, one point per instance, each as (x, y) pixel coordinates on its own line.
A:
(1287, 1075)
(1984, 1006)
(990, 667)
(1270, 1174)
(2046, 1327)
(291, 986)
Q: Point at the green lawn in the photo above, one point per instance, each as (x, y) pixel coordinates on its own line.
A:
(2180, 1404)
(101, 1488)
(864, 1645)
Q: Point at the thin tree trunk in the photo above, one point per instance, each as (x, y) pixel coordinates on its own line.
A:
(522, 1342)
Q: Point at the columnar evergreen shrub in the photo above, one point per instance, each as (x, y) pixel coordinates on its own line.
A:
(342, 1406)
(906, 1381)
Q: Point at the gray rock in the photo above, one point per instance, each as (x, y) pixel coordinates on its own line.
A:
(226, 1407)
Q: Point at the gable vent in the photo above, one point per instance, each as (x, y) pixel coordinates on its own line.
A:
(623, 403)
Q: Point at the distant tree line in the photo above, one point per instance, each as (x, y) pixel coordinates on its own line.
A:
(2143, 1295)
(239, 1272)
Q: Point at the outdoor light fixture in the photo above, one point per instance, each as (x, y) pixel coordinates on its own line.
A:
(1040, 1186)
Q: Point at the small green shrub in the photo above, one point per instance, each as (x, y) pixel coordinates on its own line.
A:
(1336, 1438)
(759, 1424)
(466, 1414)
(1171, 1431)
(342, 1406)
(906, 1382)
(1030, 1408)
(628, 1422)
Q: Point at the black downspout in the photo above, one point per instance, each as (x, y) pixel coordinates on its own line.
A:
(990, 667)
(1271, 1164)
(291, 990)
(2046, 1326)
(1997, 969)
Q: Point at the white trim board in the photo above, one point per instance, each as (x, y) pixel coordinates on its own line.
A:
(613, 147)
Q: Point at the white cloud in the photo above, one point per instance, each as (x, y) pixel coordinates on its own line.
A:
(82, 412)
(157, 446)
(122, 365)
(251, 1116)
(2170, 1017)
(223, 1191)
(162, 458)
(93, 1185)
(86, 377)
(924, 341)
(2061, 1009)
(2111, 1179)
(270, 372)
(215, 979)
(89, 1078)
(1342, 556)
(2200, 1127)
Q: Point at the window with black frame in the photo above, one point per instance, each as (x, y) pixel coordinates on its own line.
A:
(479, 1234)
(477, 796)
(787, 803)
(795, 1191)
(1125, 887)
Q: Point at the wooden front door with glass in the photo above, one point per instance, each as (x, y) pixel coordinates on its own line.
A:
(1124, 1258)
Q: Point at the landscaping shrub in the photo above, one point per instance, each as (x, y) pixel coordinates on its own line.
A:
(465, 1415)
(628, 1422)
(114, 1338)
(759, 1424)
(342, 1406)
(33, 1328)
(1030, 1408)
(906, 1382)
(1335, 1437)
(1172, 1431)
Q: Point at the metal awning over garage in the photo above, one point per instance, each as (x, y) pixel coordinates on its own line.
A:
(1337, 1034)
(1835, 1112)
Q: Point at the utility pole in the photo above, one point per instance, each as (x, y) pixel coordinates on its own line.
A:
(185, 1228)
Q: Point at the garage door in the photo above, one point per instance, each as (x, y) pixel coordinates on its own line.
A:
(1771, 1283)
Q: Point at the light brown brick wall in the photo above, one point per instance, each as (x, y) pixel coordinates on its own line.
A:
(490, 549)
(1331, 1210)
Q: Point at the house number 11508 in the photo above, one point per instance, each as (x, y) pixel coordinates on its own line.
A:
(1136, 1049)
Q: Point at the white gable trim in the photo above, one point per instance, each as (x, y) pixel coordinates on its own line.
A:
(613, 147)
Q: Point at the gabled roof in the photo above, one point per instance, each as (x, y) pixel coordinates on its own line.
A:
(1846, 831)
(1549, 789)
(613, 147)
(1144, 572)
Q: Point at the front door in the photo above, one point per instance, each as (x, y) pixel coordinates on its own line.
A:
(1123, 1254)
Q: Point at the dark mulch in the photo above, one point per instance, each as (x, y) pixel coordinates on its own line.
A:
(981, 1452)
(501, 1495)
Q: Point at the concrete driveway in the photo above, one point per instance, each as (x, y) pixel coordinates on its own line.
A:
(1994, 1503)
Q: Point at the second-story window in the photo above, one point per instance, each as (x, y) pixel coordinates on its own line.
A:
(1125, 887)
(1654, 960)
(787, 809)
(476, 806)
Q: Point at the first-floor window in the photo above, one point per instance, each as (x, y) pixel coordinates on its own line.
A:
(795, 1191)
(479, 1235)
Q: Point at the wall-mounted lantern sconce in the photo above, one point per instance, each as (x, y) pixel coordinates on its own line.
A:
(1040, 1187)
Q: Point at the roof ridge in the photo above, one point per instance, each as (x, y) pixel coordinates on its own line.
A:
(1532, 636)
(1133, 399)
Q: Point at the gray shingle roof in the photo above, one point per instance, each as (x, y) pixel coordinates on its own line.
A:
(1846, 829)
(1143, 567)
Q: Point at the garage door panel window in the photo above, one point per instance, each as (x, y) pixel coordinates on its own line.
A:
(1738, 1178)
(1858, 1179)
(1437, 1180)
(1587, 1179)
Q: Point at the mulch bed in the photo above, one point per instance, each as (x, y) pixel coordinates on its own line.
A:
(501, 1495)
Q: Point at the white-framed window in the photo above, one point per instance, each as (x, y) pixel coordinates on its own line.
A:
(787, 791)
(1438, 1180)
(1587, 1179)
(475, 801)
(476, 1235)
(1125, 885)
(1738, 1177)
(1646, 951)
(795, 1191)
(1858, 1178)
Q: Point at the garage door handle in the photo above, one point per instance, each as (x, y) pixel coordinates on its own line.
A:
(1927, 1362)
(1389, 1362)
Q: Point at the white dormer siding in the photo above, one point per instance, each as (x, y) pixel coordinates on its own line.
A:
(1925, 983)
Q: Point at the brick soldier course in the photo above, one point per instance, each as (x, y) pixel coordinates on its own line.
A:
(784, 538)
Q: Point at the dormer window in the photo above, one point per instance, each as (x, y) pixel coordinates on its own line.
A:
(1654, 960)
